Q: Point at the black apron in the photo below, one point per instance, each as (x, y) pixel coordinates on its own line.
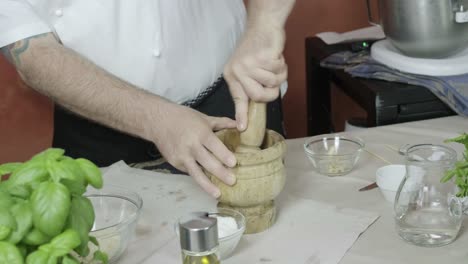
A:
(104, 146)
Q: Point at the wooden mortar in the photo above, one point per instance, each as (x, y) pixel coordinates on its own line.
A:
(259, 171)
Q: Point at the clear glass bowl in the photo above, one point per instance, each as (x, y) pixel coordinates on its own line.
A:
(117, 211)
(333, 155)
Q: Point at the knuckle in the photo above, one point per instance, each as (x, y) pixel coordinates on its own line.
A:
(210, 139)
(192, 171)
(239, 100)
(256, 95)
(247, 60)
(227, 73)
(273, 94)
(185, 161)
(276, 93)
(274, 81)
(236, 69)
(218, 169)
(176, 161)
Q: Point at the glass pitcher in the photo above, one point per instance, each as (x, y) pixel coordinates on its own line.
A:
(427, 212)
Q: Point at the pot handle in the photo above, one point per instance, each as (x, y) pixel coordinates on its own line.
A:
(370, 16)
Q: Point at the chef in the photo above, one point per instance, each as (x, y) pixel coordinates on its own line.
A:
(138, 80)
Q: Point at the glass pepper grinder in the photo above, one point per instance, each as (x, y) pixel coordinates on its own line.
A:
(199, 239)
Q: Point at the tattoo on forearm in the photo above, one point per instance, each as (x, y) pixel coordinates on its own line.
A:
(6, 53)
(13, 51)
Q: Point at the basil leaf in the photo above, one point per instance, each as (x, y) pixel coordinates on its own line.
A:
(8, 168)
(38, 257)
(22, 214)
(62, 244)
(83, 207)
(4, 232)
(92, 173)
(22, 249)
(36, 238)
(94, 240)
(74, 180)
(50, 207)
(72, 165)
(20, 191)
(56, 170)
(7, 224)
(69, 260)
(82, 250)
(101, 256)
(81, 219)
(48, 154)
(76, 188)
(461, 168)
(10, 254)
(5, 200)
(448, 175)
(27, 174)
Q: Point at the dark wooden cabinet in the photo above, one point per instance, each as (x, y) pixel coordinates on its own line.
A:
(384, 102)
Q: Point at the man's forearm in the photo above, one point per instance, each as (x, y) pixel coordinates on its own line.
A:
(84, 88)
(270, 12)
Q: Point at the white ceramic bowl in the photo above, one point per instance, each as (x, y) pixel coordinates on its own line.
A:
(333, 155)
(388, 178)
(229, 239)
(117, 211)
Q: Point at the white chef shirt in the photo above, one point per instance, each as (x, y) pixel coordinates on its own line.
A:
(173, 48)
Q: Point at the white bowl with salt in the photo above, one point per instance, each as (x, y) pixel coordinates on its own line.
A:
(231, 226)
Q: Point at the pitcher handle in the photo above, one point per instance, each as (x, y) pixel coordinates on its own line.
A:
(464, 203)
(457, 206)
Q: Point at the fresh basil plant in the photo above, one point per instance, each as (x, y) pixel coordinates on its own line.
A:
(44, 217)
(460, 172)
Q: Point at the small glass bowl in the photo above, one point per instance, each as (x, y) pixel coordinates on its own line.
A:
(333, 155)
(116, 214)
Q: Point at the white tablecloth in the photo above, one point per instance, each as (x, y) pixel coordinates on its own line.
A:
(306, 231)
(378, 244)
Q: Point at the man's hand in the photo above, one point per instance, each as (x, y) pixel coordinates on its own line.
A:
(185, 138)
(256, 69)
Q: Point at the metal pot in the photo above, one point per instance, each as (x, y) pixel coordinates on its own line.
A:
(425, 28)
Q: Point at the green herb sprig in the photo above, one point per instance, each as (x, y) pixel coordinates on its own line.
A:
(44, 217)
(460, 171)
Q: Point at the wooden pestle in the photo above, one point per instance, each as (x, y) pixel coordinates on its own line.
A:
(251, 139)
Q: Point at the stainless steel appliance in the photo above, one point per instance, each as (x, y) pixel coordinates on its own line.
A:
(425, 28)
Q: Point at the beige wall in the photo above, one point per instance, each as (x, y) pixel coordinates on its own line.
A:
(308, 18)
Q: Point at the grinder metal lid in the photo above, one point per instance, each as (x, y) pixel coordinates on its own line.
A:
(198, 232)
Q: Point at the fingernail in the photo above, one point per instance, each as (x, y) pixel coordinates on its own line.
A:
(216, 194)
(232, 162)
(232, 179)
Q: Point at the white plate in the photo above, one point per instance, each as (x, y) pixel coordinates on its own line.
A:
(384, 52)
